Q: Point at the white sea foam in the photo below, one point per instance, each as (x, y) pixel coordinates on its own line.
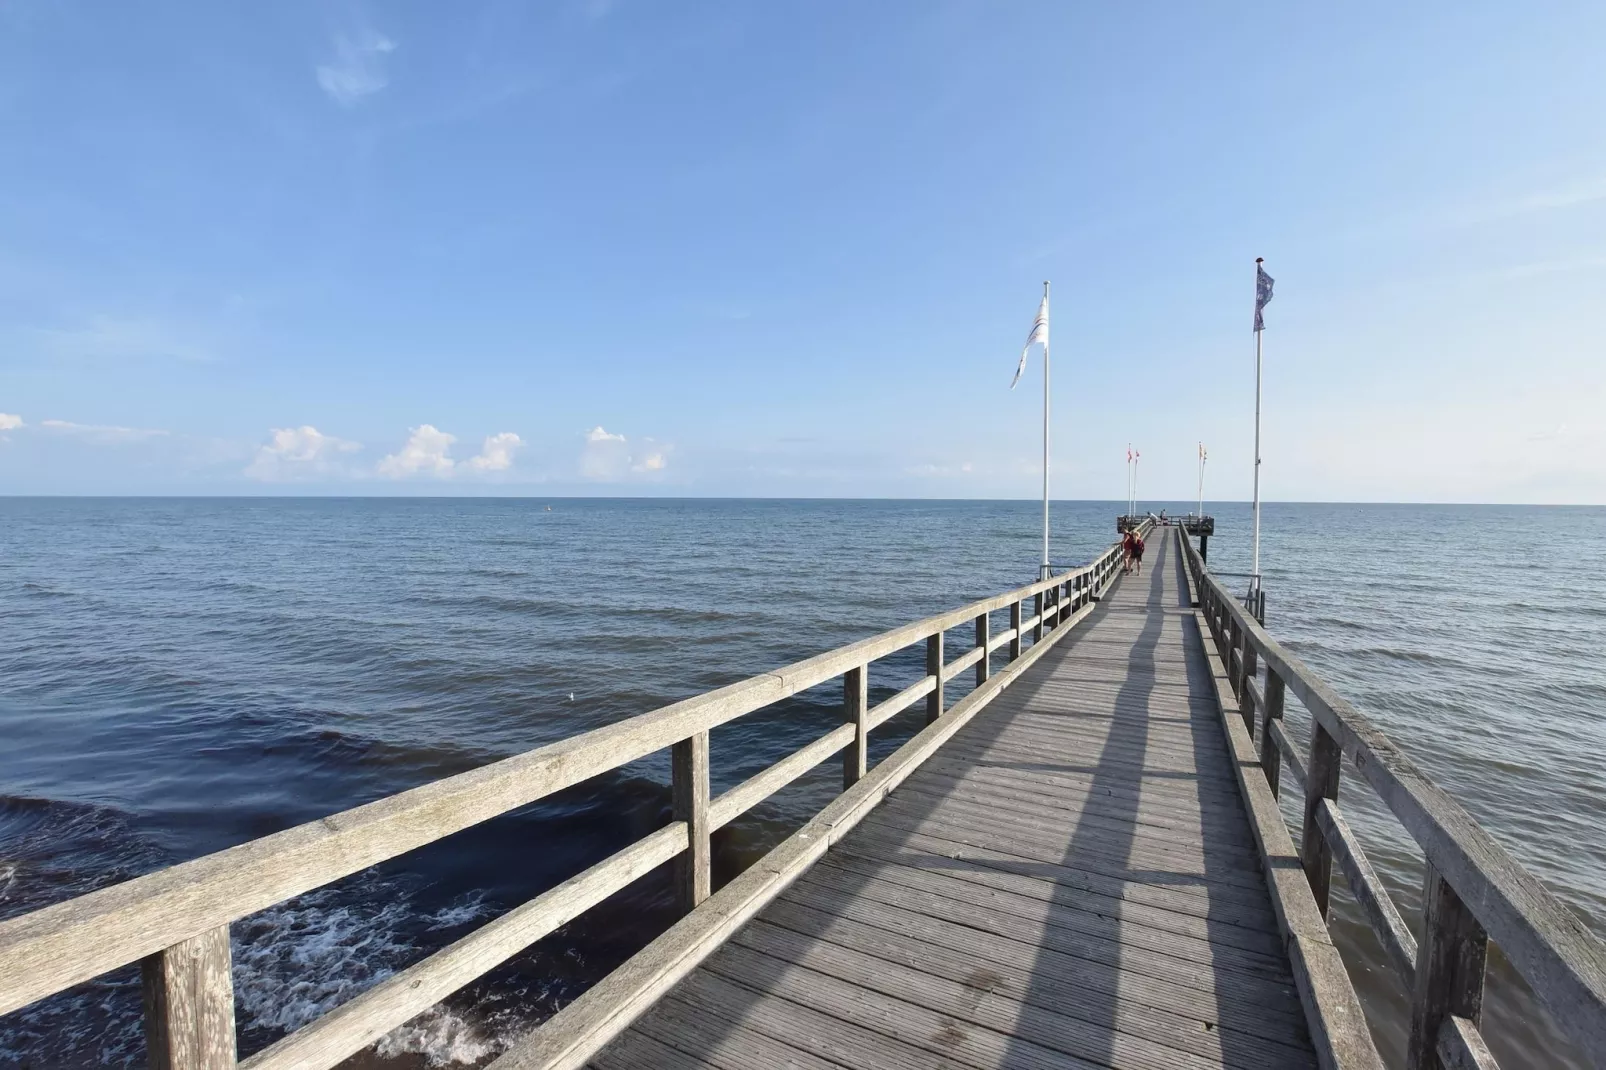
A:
(442, 1037)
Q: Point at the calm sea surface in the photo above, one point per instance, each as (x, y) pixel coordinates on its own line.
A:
(177, 676)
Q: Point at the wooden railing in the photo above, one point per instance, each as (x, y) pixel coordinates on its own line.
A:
(1473, 891)
(175, 922)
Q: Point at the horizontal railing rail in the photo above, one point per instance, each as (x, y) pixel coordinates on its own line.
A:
(1473, 890)
(175, 922)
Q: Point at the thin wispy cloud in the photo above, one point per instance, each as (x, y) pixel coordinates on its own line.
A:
(1559, 198)
(119, 338)
(102, 434)
(358, 67)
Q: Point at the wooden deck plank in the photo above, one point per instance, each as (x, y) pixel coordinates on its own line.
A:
(1071, 882)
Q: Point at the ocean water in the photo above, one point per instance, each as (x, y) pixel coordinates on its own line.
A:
(177, 676)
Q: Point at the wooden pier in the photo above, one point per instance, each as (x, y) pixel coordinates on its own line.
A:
(1079, 863)
(1071, 882)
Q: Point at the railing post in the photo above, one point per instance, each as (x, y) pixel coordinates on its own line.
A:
(1235, 673)
(1271, 757)
(983, 635)
(855, 705)
(934, 669)
(1015, 617)
(1037, 607)
(1450, 962)
(689, 791)
(1321, 782)
(189, 1004)
(1251, 668)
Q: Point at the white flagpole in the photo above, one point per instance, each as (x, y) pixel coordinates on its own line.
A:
(1201, 479)
(1047, 569)
(1254, 563)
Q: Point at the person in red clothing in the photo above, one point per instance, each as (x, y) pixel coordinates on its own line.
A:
(1129, 543)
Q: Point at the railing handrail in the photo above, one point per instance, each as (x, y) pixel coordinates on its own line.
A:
(148, 917)
(1559, 958)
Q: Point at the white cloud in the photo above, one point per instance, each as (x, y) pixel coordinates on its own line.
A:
(358, 69)
(941, 471)
(9, 422)
(103, 434)
(426, 453)
(298, 453)
(608, 457)
(496, 455)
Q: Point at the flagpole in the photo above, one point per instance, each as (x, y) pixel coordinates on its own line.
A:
(1047, 570)
(1201, 479)
(1254, 563)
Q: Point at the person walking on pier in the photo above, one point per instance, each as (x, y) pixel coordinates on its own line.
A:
(1136, 552)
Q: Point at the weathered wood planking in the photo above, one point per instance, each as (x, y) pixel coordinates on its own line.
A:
(1475, 892)
(1071, 882)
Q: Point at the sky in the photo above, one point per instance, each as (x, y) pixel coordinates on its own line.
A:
(792, 249)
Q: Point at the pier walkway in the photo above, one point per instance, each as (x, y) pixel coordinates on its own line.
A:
(1070, 882)
(1078, 862)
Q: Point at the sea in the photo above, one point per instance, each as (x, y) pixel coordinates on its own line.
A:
(181, 675)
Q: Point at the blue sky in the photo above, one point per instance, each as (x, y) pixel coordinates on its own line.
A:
(792, 249)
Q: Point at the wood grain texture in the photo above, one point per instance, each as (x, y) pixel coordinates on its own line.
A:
(62, 945)
(365, 1018)
(937, 672)
(188, 992)
(578, 1032)
(1321, 782)
(1449, 970)
(856, 711)
(1550, 947)
(1271, 717)
(688, 764)
(1398, 943)
(1070, 882)
(725, 808)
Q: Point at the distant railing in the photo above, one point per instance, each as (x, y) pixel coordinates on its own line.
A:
(1473, 890)
(175, 922)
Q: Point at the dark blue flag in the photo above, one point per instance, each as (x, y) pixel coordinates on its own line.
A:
(1263, 283)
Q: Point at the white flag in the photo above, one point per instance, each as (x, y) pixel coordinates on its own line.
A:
(1039, 333)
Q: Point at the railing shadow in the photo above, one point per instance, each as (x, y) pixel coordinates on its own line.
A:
(1025, 945)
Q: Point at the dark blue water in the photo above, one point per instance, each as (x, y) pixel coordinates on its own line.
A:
(182, 675)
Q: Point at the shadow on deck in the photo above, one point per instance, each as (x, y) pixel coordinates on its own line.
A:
(1070, 882)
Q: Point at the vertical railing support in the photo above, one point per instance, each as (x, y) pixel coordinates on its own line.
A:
(1271, 758)
(189, 1004)
(855, 707)
(1015, 618)
(1321, 782)
(983, 635)
(1251, 668)
(1450, 964)
(1235, 671)
(934, 669)
(689, 791)
(1037, 608)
